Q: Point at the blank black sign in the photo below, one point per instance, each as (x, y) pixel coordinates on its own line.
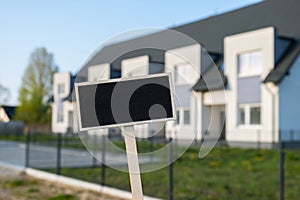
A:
(125, 102)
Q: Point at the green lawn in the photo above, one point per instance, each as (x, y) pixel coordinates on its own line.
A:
(227, 173)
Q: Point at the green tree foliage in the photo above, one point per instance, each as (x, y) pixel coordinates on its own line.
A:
(37, 88)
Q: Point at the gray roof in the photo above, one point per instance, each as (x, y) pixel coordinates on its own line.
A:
(284, 15)
(284, 64)
(212, 79)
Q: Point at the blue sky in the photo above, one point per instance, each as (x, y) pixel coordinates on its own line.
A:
(71, 30)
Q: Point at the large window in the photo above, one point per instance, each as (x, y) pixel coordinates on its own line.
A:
(60, 116)
(61, 88)
(183, 116)
(180, 72)
(250, 63)
(255, 115)
(242, 117)
(249, 114)
(186, 117)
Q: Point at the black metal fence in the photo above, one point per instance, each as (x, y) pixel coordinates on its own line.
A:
(65, 154)
(11, 128)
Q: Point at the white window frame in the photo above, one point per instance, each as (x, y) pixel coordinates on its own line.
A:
(249, 72)
(181, 116)
(247, 108)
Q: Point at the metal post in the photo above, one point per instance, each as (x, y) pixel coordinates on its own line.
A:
(151, 147)
(291, 135)
(170, 193)
(258, 139)
(27, 150)
(58, 154)
(95, 150)
(103, 166)
(281, 170)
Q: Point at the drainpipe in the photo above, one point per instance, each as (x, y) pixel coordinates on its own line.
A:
(273, 114)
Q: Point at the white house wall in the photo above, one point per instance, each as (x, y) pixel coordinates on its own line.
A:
(3, 116)
(138, 66)
(214, 98)
(191, 55)
(61, 127)
(289, 99)
(264, 40)
(63, 78)
(99, 72)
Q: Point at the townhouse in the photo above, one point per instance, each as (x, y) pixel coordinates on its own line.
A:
(235, 75)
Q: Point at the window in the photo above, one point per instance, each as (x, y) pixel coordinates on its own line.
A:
(254, 115)
(250, 63)
(242, 118)
(180, 72)
(186, 117)
(60, 116)
(249, 114)
(61, 88)
(177, 117)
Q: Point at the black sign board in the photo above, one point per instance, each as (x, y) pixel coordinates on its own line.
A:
(125, 102)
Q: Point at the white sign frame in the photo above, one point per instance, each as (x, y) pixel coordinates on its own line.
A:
(171, 84)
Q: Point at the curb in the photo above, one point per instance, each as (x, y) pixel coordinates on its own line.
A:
(12, 166)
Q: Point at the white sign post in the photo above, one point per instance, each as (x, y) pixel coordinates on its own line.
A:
(124, 103)
(133, 163)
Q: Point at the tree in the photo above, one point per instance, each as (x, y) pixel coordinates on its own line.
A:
(4, 94)
(37, 88)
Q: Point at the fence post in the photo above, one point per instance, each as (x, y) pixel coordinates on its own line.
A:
(103, 166)
(170, 193)
(258, 139)
(151, 145)
(27, 149)
(281, 170)
(95, 150)
(58, 154)
(291, 135)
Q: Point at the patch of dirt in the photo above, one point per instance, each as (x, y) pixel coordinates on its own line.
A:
(15, 185)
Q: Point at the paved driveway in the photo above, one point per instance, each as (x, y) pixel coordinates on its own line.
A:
(45, 156)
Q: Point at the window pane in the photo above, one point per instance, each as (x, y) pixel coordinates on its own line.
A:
(181, 73)
(61, 88)
(243, 63)
(186, 117)
(250, 63)
(256, 62)
(60, 116)
(255, 115)
(176, 74)
(177, 117)
(241, 115)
